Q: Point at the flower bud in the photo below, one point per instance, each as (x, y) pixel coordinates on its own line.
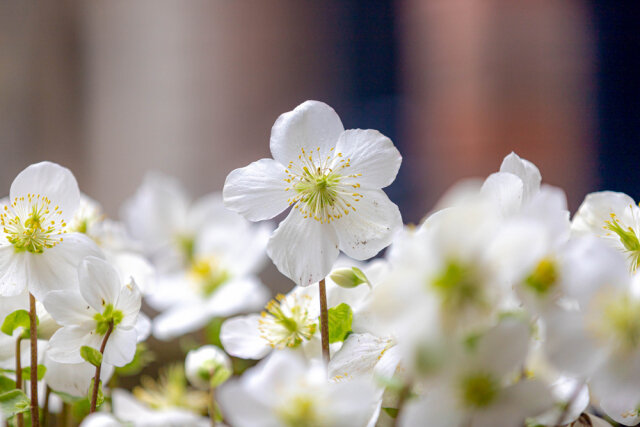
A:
(348, 277)
(207, 367)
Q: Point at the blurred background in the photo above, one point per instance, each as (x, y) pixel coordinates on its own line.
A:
(114, 88)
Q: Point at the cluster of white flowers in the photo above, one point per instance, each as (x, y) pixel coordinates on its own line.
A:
(498, 309)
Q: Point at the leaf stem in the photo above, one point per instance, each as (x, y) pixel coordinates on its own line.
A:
(96, 378)
(33, 338)
(324, 321)
(19, 416)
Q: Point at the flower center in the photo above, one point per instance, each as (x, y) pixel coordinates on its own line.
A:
(170, 391)
(110, 316)
(208, 274)
(479, 390)
(621, 321)
(628, 239)
(285, 321)
(543, 277)
(319, 186)
(87, 215)
(301, 411)
(458, 286)
(32, 224)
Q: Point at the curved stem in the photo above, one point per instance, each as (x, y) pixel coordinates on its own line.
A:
(324, 321)
(19, 416)
(33, 338)
(96, 378)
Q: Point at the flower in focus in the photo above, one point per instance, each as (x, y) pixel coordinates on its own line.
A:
(332, 178)
(36, 250)
(207, 367)
(284, 390)
(103, 306)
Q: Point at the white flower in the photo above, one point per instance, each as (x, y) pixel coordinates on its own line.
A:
(219, 280)
(73, 378)
(102, 304)
(284, 391)
(333, 180)
(614, 217)
(36, 251)
(476, 389)
(207, 367)
(163, 218)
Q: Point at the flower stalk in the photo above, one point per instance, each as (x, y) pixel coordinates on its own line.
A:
(96, 378)
(33, 337)
(19, 416)
(324, 321)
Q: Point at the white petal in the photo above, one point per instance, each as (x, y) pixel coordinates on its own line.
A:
(437, 409)
(180, 320)
(236, 296)
(526, 171)
(505, 190)
(503, 349)
(100, 419)
(75, 378)
(49, 180)
(99, 283)
(121, 346)
(133, 266)
(68, 308)
(64, 345)
(57, 268)
(303, 249)
(142, 327)
(312, 125)
(210, 210)
(129, 301)
(241, 410)
(368, 230)
(13, 272)
(597, 208)
(358, 356)
(257, 191)
(371, 154)
(622, 410)
(240, 337)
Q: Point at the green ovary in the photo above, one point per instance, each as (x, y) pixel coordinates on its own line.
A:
(318, 190)
(458, 286)
(479, 390)
(543, 278)
(109, 317)
(208, 274)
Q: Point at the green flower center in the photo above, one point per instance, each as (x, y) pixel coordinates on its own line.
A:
(479, 390)
(109, 317)
(628, 238)
(543, 278)
(621, 320)
(31, 224)
(320, 191)
(301, 411)
(208, 274)
(458, 286)
(286, 322)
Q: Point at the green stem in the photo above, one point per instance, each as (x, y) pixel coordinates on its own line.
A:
(96, 378)
(33, 337)
(19, 416)
(45, 409)
(324, 321)
(212, 406)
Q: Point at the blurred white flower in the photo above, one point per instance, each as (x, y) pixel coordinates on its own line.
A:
(207, 367)
(36, 251)
(218, 281)
(102, 306)
(333, 180)
(73, 379)
(284, 390)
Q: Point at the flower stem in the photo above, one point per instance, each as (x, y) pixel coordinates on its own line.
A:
(33, 338)
(212, 406)
(324, 321)
(19, 416)
(45, 409)
(402, 398)
(96, 378)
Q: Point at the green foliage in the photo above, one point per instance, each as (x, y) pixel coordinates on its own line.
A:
(6, 384)
(392, 412)
(26, 372)
(17, 319)
(100, 399)
(14, 402)
(91, 355)
(212, 331)
(340, 319)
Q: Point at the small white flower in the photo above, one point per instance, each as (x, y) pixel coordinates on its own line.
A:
(103, 303)
(207, 367)
(332, 178)
(36, 250)
(284, 390)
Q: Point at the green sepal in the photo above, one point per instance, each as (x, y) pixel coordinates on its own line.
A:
(17, 319)
(91, 355)
(14, 402)
(340, 320)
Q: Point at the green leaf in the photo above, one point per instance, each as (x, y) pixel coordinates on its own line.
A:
(392, 412)
(14, 402)
(212, 331)
(6, 384)
(17, 319)
(340, 319)
(26, 372)
(100, 399)
(91, 355)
